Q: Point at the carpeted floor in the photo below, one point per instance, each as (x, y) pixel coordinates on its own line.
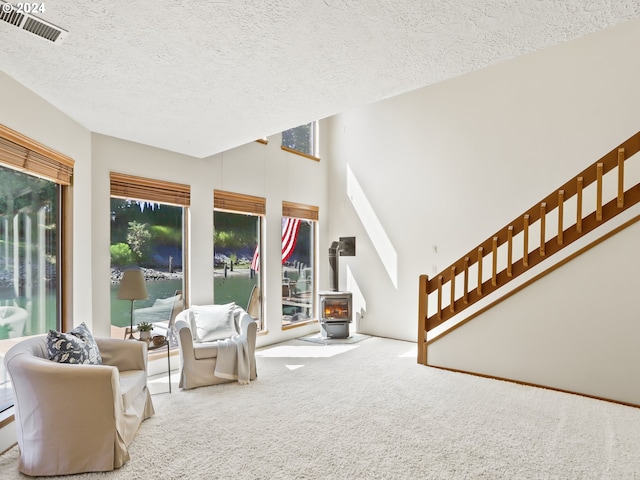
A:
(368, 411)
(317, 338)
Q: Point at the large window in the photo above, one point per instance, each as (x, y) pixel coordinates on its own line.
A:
(147, 233)
(298, 263)
(237, 221)
(31, 236)
(29, 216)
(302, 140)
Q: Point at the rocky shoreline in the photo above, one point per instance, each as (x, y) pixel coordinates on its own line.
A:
(6, 276)
(150, 275)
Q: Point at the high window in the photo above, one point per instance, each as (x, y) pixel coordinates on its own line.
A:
(148, 232)
(33, 203)
(302, 140)
(237, 221)
(298, 263)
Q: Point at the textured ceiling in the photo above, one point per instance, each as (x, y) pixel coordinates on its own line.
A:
(202, 77)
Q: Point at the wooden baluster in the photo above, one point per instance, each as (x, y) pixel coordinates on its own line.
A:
(543, 216)
(525, 252)
(579, 206)
(480, 258)
(560, 216)
(423, 299)
(465, 296)
(510, 251)
(494, 273)
(440, 297)
(452, 305)
(620, 177)
(599, 169)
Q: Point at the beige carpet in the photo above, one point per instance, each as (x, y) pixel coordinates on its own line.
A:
(368, 411)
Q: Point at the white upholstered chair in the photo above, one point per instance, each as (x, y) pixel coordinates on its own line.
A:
(199, 356)
(74, 418)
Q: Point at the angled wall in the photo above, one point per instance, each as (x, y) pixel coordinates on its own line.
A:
(421, 178)
(575, 329)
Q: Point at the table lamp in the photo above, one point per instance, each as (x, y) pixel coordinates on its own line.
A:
(132, 288)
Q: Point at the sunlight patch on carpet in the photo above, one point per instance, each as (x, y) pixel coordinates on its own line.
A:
(305, 351)
(294, 367)
(411, 353)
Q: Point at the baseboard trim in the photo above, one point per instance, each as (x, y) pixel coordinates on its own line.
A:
(528, 384)
(7, 420)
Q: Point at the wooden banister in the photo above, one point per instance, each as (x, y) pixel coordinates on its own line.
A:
(534, 254)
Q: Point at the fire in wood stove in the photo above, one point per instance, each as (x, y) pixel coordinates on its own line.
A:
(336, 306)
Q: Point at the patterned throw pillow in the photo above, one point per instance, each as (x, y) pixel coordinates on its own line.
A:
(77, 346)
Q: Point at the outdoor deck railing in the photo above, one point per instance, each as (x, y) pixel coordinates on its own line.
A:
(476, 275)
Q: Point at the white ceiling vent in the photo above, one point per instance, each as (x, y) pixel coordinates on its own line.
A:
(26, 21)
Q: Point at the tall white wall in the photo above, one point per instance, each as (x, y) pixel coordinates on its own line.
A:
(254, 169)
(30, 115)
(576, 329)
(422, 178)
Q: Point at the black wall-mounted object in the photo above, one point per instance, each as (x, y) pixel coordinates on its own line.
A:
(347, 246)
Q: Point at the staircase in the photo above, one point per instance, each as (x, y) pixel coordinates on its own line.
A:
(590, 199)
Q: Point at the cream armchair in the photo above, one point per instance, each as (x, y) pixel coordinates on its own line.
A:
(77, 418)
(199, 359)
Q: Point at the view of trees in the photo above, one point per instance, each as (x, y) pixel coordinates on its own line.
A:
(145, 234)
(299, 138)
(28, 248)
(20, 191)
(234, 239)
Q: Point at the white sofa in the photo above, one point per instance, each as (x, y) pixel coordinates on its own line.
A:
(74, 418)
(198, 359)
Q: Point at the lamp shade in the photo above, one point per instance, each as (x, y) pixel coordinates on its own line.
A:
(132, 286)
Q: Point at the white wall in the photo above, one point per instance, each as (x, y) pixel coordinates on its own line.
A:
(448, 165)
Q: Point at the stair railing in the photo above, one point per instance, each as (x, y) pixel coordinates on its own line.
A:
(460, 296)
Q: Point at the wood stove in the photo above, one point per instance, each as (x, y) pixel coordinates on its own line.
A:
(335, 306)
(335, 314)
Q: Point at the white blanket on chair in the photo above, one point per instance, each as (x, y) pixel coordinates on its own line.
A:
(232, 362)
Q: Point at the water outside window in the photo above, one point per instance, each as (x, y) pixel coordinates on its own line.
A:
(149, 236)
(29, 292)
(237, 261)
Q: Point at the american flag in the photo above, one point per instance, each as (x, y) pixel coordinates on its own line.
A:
(290, 228)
